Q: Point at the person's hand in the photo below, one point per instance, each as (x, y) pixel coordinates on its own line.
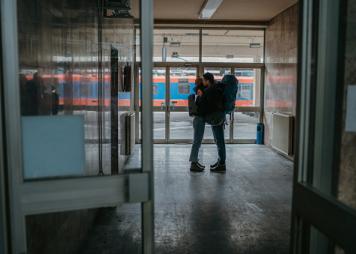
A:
(200, 92)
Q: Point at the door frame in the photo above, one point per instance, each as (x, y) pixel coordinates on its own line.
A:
(46, 196)
(200, 70)
(3, 191)
(319, 220)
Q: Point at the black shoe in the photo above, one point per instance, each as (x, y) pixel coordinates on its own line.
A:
(196, 167)
(214, 165)
(200, 165)
(220, 168)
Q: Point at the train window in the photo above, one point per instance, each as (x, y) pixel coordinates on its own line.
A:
(155, 89)
(184, 88)
(245, 73)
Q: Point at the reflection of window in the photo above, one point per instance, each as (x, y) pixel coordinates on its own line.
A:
(184, 88)
(155, 89)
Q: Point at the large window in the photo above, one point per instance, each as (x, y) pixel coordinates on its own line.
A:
(233, 46)
(176, 45)
(226, 45)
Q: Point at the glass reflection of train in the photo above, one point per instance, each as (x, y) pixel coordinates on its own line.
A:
(82, 90)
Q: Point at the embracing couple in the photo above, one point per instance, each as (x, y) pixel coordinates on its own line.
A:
(210, 104)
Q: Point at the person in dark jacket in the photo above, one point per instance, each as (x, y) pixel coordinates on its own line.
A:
(199, 128)
(212, 102)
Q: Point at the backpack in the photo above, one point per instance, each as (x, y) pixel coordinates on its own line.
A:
(216, 118)
(230, 84)
(192, 106)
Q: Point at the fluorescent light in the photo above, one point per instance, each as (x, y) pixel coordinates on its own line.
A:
(209, 8)
(255, 45)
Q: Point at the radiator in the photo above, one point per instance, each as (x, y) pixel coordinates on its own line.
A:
(127, 124)
(282, 133)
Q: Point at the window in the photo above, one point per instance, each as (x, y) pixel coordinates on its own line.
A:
(155, 89)
(233, 46)
(184, 88)
(176, 45)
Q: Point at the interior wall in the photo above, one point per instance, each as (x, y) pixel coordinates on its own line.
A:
(347, 173)
(281, 67)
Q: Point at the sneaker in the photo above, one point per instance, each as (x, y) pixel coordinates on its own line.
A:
(196, 167)
(200, 165)
(220, 168)
(214, 165)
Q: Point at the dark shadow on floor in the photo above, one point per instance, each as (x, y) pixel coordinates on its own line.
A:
(247, 210)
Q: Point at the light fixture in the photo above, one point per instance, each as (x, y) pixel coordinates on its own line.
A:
(255, 45)
(174, 44)
(208, 9)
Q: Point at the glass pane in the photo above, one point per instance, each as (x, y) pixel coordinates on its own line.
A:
(86, 231)
(233, 46)
(217, 72)
(70, 108)
(249, 87)
(182, 82)
(347, 167)
(176, 45)
(245, 125)
(159, 102)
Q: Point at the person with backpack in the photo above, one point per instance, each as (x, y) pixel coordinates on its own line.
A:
(211, 108)
(228, 88)
(217, 101)
(198, 125)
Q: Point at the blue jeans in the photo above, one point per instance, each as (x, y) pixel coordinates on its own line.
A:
(199, 128)
(218, 132)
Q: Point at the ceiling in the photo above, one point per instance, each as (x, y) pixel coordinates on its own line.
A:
(232, 10)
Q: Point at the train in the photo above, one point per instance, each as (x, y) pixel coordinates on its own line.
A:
(83, 90)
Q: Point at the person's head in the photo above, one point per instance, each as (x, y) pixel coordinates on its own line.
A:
(198, 81)
(198, 84)
(208, 79)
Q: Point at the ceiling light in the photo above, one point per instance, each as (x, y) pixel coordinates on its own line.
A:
(209, 8)
(174, 44)
(255, 45)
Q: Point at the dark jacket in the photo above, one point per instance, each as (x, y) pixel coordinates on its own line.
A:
(211, 101)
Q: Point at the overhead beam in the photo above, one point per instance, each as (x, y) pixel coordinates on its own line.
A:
(210, 23)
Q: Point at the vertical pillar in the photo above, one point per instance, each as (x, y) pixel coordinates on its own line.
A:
(147, 125)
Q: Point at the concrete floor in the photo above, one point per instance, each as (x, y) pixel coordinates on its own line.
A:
(247, 210)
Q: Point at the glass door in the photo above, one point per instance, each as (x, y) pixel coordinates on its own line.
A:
(67, 100)
(181, 84)
(242, 126)
(160, 106)
(324, 210)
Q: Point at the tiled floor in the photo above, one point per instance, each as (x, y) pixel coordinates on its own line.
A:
(247, 210)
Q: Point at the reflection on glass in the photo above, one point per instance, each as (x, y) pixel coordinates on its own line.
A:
(59, 71)
(233, 46)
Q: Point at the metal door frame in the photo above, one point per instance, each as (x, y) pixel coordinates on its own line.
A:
(46, 196)
(3, 195)
(317, 155)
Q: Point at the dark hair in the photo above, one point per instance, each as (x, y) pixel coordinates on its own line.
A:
(198, 84)
(209, 77)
